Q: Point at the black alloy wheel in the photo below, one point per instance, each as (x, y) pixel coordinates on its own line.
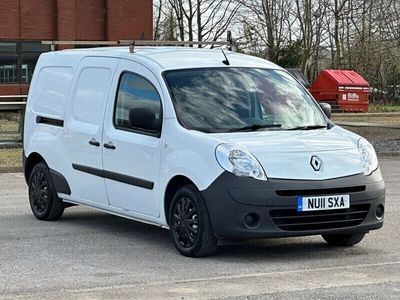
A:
(190, 225)
(43, 199)
(39, 192)
(185, 222)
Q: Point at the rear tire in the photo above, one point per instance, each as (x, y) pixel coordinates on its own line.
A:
(343, 240)
(190, 225)
(43, 199)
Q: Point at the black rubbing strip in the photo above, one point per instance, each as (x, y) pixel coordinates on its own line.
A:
(49, 121)
(89, 170)
(129, 179)
(115, 176)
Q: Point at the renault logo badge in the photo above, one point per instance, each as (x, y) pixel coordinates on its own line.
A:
(315, 163)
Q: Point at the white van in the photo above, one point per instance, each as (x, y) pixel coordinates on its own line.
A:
(211, 147)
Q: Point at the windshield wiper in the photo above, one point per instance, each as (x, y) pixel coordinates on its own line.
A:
(307, 127)
(255, 127)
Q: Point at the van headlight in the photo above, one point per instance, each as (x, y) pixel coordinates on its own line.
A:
(369, 161)
(239, 161)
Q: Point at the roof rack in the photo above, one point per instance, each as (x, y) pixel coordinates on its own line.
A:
(132, 43)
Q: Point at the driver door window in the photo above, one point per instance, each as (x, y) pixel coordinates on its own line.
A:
(138, 106)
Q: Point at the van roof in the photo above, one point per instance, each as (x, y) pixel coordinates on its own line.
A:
(168, 58)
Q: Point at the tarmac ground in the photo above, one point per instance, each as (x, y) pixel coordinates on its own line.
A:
(92, 255)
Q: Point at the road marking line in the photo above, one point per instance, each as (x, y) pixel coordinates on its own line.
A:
(204, 279)
(203, 289)
(286, 272)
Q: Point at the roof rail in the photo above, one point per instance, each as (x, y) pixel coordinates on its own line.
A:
(132, 43)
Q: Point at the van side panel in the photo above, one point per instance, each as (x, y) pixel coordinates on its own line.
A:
(45, 111)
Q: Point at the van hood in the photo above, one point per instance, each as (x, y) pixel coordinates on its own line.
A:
(288, 154)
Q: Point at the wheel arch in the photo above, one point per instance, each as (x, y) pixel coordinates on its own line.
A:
(172, 187)
(30, 162)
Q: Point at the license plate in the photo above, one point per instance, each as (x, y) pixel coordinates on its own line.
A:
(323, 202)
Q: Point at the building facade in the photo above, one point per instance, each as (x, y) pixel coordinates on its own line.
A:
(25, 23)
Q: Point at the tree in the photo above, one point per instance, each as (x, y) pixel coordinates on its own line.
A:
(203, 20)
(363, 35)
(291, 55)
(269, 23)
(170, 26)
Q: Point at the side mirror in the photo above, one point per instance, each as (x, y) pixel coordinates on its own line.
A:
(326, 108)
(143, 118)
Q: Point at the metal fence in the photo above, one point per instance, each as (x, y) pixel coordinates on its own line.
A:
(12, 109)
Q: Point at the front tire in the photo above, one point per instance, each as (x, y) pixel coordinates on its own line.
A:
(343, 240)
(190, 225)
(43, 199)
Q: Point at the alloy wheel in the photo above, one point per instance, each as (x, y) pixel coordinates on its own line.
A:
(39, 192)
(185, 223)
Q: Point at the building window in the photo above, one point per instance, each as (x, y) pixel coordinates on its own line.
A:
(18, 60)
(8, 47)
(8, 62)
(34, 47)
(8, 69)
(27, 66)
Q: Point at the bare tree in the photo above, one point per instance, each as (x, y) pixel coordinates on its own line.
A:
(203, 20)
(268, 21)
(363, 35)
(177, 7)
(214, 17)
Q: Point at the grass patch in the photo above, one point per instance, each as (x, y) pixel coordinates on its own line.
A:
(9, 127)
(373, 107)
(10, 158)
(9, 122)
(362, 118)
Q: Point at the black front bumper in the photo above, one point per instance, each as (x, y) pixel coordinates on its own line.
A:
(271, 206)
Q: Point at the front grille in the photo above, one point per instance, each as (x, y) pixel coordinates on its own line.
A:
(292, 220)
(327, 191)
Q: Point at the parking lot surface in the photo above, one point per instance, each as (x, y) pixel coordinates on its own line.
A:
(92, 255)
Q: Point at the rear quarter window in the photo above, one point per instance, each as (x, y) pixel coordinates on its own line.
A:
(50, 92)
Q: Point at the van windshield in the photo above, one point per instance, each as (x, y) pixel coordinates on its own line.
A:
(236, 99)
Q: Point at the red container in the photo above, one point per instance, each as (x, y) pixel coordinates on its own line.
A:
(345, 90)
